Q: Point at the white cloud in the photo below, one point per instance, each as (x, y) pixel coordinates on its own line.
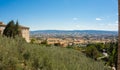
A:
(78, 26)
(99, 19)
(110, 27)
(112, 24)
(75, 18)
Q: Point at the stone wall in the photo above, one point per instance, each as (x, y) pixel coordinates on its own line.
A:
(25, 34)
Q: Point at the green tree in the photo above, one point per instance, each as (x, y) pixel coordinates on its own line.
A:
(112, 51)
(17, 29)
(91, 51)
(9, 30)
(12, 29)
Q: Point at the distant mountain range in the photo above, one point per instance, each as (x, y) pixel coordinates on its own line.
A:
(99, 32)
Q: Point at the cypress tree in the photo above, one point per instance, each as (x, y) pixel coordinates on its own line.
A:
(9, 30)
(12, 29)
(17, 29)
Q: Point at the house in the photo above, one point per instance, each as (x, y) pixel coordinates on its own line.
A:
(24, 31)
(53, 41)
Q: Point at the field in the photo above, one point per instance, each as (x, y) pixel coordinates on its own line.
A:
(16, 54)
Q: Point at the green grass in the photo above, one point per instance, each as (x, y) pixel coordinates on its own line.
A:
(16, 54)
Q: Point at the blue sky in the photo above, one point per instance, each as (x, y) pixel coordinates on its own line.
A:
(61, 14)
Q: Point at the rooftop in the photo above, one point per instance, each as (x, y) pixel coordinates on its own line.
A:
(4, 25)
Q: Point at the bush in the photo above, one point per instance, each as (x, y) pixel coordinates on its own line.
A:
(91, 51)
(15, 54)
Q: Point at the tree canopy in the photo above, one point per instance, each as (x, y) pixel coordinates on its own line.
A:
(12, 29)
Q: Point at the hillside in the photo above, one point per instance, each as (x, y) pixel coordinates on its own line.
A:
(93, 32)
(18, 55)
(73, 33)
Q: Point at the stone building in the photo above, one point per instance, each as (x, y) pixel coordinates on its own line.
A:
(24, 31)
(53, 41)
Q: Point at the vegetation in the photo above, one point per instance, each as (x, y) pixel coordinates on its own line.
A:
(16, 54)
(92, 52)
(96, 50)
(12, 29)
(112, 51)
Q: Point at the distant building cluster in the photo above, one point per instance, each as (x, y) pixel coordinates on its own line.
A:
(65, 42)
(24, 31)
(72, 41)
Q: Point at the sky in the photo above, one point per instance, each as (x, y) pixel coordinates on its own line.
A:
(61, 14)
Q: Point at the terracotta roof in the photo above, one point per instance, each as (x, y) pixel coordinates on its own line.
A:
(2, 24)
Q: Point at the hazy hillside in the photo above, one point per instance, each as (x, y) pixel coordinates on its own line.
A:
(72, 32)
(18, 55)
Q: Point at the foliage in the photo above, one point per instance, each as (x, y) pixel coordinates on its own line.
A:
(95, 50)
(91, 51)
(98, 46)
(17, 29)
(44, 42)
(12, 29)
(16, 54)
(32, 41)
(112, 51)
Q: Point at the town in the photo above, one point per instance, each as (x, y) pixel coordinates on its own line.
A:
(69, 38)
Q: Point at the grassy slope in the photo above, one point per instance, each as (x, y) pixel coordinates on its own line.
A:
(18, 55)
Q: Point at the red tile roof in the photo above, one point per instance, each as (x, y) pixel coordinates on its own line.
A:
(2, 24)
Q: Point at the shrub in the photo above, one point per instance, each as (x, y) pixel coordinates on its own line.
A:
(35, 57)
(91, 51)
